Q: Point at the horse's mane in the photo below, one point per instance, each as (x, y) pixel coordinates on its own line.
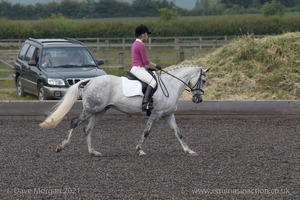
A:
(181, 65)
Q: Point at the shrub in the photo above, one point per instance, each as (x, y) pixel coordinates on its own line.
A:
(273, 8)
(167, 14)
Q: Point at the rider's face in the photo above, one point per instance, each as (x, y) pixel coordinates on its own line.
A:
(144, 37)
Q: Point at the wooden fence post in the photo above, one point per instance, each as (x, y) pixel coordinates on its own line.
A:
(181, 56)
(200, 45)
(149, 42)
(98, 41)
(177, 45)
(123, 42)
(121, 60)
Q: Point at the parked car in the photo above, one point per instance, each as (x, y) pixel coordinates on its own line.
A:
(47, 67)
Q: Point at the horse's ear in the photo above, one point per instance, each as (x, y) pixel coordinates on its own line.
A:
(206, 70)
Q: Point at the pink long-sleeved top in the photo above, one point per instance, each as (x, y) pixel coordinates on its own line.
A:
(139, 54)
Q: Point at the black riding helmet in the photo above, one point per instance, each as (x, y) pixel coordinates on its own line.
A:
(141, 29)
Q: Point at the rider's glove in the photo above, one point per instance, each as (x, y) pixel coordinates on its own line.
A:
(158, 67)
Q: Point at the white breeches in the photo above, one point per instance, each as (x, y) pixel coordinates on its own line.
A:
(143, 75)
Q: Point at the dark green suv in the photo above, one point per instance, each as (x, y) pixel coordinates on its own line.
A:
(47, 67)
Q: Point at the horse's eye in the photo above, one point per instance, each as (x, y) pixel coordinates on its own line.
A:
(204, 81)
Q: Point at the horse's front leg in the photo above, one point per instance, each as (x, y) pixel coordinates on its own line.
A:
(172, 123)
(145, 134)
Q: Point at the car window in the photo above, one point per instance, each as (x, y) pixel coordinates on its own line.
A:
(23, 51)
(68, 56)
(32, 54)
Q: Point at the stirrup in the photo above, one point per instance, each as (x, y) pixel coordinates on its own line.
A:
(147, 106)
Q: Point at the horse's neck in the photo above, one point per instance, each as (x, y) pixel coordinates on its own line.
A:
(176, 86)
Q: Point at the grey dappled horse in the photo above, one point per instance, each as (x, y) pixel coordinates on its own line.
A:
(104, 92)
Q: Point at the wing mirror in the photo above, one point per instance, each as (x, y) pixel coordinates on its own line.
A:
(100, 62)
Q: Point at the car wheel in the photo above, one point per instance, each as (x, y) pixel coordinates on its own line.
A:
(41, 92)
(20, 89)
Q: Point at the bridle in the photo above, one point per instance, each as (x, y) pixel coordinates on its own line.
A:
(196, 87)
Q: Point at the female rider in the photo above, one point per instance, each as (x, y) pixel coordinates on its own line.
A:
(140, 64)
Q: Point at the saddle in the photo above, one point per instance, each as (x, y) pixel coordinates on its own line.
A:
(130, 76)
(144, 85)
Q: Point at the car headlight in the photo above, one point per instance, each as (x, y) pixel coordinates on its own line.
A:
(53, 81)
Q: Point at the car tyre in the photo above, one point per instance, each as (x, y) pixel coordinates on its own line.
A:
(41, 92)
(20, 89)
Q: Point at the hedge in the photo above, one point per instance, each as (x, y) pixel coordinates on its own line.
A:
(182, 26)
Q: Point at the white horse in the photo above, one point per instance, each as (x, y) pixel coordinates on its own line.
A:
(104, 92)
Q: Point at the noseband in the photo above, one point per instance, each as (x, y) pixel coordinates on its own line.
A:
(196, 87)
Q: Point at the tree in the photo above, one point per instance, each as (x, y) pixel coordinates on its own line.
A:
(197, 4)
(273, 8)
(145, 8)
(167, 14)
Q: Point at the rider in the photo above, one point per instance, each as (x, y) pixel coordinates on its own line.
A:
(140, 64)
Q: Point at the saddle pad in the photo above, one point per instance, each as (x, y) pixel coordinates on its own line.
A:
(131, 87)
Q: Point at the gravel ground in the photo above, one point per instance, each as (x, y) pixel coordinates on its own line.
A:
(253, 157)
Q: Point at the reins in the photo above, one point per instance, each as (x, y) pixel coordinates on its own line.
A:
(161, 83)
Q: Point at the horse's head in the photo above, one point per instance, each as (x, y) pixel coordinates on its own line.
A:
(197, 84)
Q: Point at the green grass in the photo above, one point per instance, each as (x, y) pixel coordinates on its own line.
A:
(11, 94)
(6, 74)
(7, 87)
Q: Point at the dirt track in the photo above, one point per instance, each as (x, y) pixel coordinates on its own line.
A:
(256, 157)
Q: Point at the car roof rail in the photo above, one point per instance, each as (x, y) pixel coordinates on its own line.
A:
(73, 40)
(34, 40)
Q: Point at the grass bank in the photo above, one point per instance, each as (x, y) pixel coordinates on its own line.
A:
(254, 69)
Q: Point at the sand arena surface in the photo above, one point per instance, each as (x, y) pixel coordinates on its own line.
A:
(254, 157)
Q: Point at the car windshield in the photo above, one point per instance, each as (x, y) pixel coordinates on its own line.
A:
(67, 57)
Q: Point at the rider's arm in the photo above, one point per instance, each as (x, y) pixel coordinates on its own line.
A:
(144, 56)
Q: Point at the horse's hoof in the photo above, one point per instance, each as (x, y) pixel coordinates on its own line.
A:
(142, 153)
(59, 148)
(97, 154)
(193, 153)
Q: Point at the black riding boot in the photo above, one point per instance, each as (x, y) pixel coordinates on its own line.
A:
(147, 101)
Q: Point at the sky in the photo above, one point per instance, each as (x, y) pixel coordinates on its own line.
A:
(187, 4)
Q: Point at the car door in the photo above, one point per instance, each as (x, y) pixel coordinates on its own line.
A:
(31, 73)
(21, 63)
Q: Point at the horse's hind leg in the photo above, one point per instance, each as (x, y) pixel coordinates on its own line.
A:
(88, 132)
(172, 123)
(74, 123)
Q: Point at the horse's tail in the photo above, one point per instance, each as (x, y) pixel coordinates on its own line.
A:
(63, 106)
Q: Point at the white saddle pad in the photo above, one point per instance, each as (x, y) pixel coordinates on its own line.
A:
(131, 87)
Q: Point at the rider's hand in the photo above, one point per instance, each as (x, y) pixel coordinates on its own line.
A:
(158, 67)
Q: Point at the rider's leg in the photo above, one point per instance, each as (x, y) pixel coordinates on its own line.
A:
(147, 103)
(144, 76)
